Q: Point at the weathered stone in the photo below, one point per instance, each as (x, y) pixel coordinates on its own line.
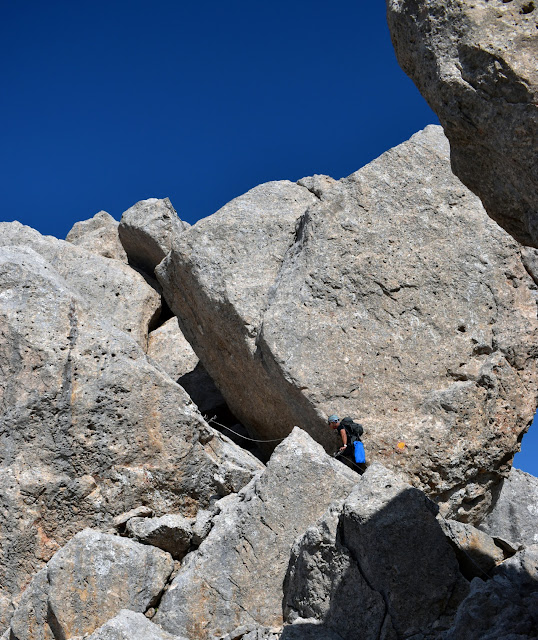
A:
(324, 585)
(138, 512)
(475, 63)
(147, 230)
(515, 514)
(171, 532)
(88, 427)
(505, 608)
(119, 294)
(392, 533)
(393, 299)
(476, 552)
(98, 235)
(87, 582)
(236, 575)
(128, 625)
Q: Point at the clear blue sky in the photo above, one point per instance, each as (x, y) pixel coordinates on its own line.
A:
(107, 103)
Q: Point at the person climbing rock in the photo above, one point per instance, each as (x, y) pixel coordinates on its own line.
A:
(350, 433)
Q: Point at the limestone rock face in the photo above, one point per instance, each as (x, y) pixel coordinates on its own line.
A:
(235, 577)
(147, 230)
(128, 625)
(89, 429)
(168, 347)
(504, 608)
(475, 63)
(98, 235)
(515, 515)
(171, 532)
(118, 293)
(87, 582)
(391, 297)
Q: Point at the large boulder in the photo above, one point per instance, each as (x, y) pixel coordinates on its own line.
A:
(475, 63)
(147, 230)
(116, 292)
(514, 517)
(128, 625)
(88, 427)
(236, 576)
(389, 296)
(98, 235)
(87, 582)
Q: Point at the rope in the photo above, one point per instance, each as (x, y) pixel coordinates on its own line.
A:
(212, 420)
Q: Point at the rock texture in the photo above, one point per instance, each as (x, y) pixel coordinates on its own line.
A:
(171, 532)
(98, 235)
(88, 427)
(236, 576)
(118, 293)
(358, 300)
(515, 515)
(87, 582)
(128, 625)
(147, 230)
(475, 63)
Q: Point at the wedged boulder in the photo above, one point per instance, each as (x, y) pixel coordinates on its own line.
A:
(128, 625)
(171, 532)
(504, 608)
(236, 576)
(87, 582)
(98, 235)
(514, 517)
(147, 230)
(475, 63)
(476, 552)
(379, 566)
(89, 429)
(118, 294)
(390, 297)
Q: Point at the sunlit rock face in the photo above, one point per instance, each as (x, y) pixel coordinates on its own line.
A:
(98, 235)
(475, 63)
(389, 296)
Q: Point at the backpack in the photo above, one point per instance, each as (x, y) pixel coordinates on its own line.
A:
(353, 429)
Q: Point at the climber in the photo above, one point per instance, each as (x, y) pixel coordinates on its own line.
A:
(350, 433)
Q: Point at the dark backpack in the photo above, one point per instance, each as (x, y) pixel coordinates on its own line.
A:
(353, 429)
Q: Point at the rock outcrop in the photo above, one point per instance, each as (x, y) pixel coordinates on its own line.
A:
(147, 231)
(475, 63)
(514, 517)
(236, 575)
(353, 296)
(118, 293)
(88, 427)
(98, 235)
(88, 582)
(128, 625)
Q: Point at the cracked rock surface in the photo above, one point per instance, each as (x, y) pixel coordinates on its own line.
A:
(389, 296)
(475, 63)
(235, 577)
(89, 429)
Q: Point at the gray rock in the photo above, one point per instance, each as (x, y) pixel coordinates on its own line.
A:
(515, 514)
(87, 582)
(392, 533)
(505, 608)
(475, 63)
(147, 230)
(128, 625)
(89, 428)
(98, 235)
(171, 532)
(118, 294)
(138, 512)
(476, 552)
(235, 577)
(324, 586)
(393, 299)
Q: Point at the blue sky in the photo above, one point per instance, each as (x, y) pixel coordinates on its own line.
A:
(107, 103)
